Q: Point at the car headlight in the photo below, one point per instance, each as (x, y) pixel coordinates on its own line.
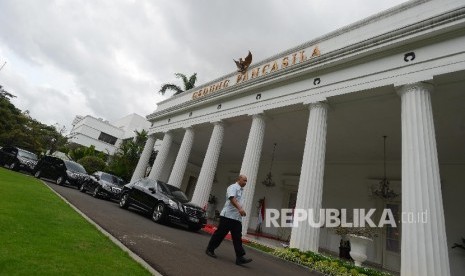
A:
(173, 204)
(71, 174)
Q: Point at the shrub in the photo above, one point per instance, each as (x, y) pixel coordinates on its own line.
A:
(324, 264)
(92, 164)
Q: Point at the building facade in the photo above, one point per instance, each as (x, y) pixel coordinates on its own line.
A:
(327, 105)
(104, 135)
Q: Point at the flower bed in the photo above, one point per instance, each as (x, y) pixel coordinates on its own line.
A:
(324, 264)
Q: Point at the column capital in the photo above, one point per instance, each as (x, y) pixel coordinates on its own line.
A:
(321, 104)
(423, 86)
(258, 115)
(218, 122)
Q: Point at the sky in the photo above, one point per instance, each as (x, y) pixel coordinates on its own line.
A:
(109, 58)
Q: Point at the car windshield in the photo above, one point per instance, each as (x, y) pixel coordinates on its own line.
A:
(73, 166)
(26, 154)
(177, 193)
(112, 179)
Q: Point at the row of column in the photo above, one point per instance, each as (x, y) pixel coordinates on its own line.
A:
(424, 246)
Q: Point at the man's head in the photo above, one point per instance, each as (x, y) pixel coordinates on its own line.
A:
(241, 180)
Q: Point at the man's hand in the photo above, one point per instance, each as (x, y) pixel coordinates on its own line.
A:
(238, 206)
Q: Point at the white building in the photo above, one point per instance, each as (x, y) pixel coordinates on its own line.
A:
(327, 105)
(104, 135)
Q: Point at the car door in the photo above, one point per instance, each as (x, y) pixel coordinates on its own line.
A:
(139, 193)
(9, 155)
(57, 168)
(45, 166)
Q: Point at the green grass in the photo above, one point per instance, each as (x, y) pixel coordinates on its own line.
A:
(41, 235)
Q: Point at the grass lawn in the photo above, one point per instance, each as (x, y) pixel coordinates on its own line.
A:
(41, 235)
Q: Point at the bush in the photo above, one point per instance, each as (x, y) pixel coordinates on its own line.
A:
(324, 264)
(92, 164)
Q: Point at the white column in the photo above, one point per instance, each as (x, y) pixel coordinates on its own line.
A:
(250, 165)
(207, 172)
(310, 191)
(424, 245)
(161, 156)
(181, 160)
(139, 172)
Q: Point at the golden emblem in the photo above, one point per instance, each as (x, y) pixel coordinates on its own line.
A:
(242, 65)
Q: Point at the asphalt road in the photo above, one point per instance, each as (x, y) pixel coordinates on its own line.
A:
(172, 250)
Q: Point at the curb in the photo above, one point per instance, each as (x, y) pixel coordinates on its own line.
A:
(113, 239)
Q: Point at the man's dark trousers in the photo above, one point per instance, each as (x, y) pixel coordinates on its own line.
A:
(226, 225)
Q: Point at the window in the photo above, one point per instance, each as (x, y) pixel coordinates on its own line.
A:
(107, 138)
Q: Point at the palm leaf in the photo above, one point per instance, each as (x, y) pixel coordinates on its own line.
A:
(191, 82)
(169, 86)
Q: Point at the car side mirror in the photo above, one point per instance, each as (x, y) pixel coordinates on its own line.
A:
(152, 189)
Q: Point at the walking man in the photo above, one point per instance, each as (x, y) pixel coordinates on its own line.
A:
(231, 221)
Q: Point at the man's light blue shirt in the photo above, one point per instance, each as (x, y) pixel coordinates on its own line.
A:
(229, 211)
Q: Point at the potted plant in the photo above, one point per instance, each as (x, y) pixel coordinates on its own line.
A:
(359, 238)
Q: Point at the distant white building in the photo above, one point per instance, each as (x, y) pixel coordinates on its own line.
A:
(104, 135)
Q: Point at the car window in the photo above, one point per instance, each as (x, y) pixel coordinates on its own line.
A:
(112, 179)
(76, 167)
(176, 192)
(162, 188)
(145, 183)
(9, 150)
(26, 154)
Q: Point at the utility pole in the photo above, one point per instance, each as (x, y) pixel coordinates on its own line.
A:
(2, 66)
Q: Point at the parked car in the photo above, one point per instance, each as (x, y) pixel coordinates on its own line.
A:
(62, 171)
(164, 202)
(102, 184)
(17, 159)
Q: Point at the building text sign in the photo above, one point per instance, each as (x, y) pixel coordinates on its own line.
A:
(256, 72)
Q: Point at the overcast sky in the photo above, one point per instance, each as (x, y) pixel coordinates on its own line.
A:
(109, 58)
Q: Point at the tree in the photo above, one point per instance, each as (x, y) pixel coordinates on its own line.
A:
(5, 94)
(124, 161)
(82, 151)
(188, 84)
(19, 129)
(92, 164)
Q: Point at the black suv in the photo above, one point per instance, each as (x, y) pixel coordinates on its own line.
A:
(103, 184)
(63, 171)
(17, 159)
(164, 202)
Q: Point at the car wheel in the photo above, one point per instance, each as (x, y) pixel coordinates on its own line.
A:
(82, 188)
(124, 201)
(14, 166)
(159, 213)
(95, 193)
(60, 180)
(37, 174)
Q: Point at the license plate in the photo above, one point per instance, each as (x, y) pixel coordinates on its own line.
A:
(193, 219)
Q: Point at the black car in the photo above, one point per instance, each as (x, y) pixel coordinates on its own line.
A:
(102, 184)
(63, 171)
(164, 202)
(17, 159)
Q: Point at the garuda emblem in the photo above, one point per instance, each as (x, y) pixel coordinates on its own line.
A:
(242, 65)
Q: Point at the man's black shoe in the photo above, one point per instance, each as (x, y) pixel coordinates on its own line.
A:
(242, 260)
(210, 253)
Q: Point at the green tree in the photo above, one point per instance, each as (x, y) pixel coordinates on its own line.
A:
(82, 151)
(189, 83)
(92, 164)
(17, 128)
(124, 161)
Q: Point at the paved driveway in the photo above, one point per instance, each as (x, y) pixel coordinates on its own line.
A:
(172, 250)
